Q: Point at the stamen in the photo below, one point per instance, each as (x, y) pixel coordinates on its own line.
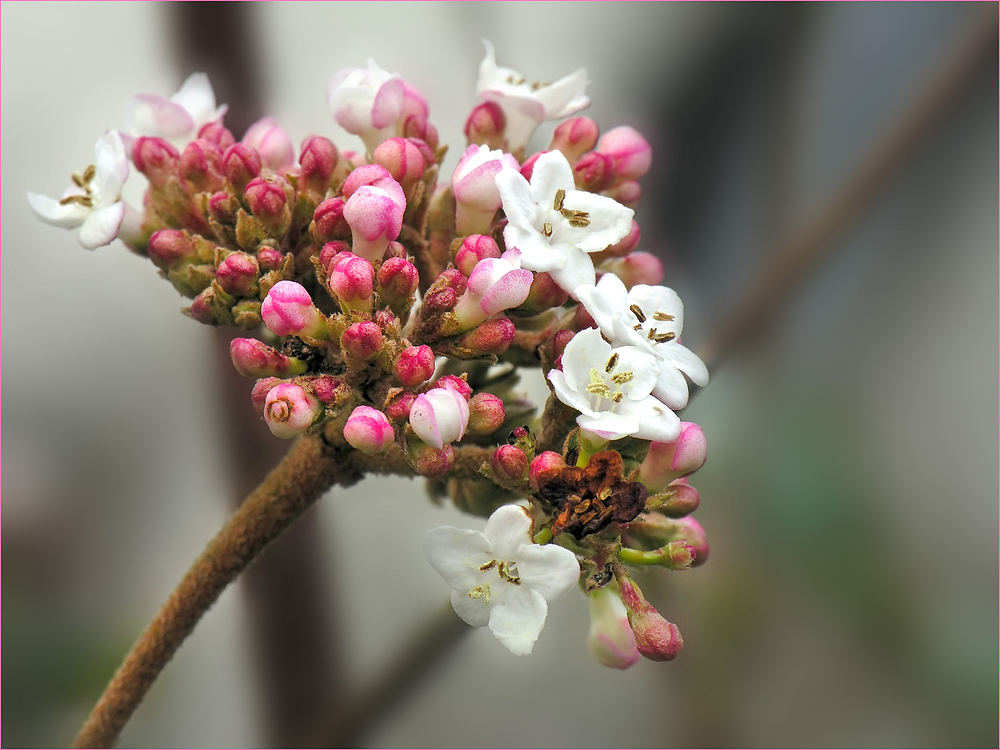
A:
(78, 180)
(481, 592)
(488, 566)
(546, 229)
(637, 327)
(604, 494)
(662, 316)
(651, 334)
(618, 396)
(88, 173)
(611, 363)
(557, 204)
(597, 385)
(637, 312)
(620, 378)
(508, 572)
(575, 218)
(83, 200)
(664, 337)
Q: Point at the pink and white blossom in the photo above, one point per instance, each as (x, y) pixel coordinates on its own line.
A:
(179, 118)
(666, 462)
(495, 285)
(288, 311)
(290, 410)
(368, 430)
(610, 640)
(272, 143)
(375, 215)
(440, 416)
(477, 197)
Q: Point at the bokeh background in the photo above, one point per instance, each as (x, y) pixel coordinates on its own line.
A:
(851, 491)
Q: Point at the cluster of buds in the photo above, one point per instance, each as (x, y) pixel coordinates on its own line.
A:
(392, 314)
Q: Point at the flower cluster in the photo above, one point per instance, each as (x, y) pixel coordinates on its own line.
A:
(391, 313)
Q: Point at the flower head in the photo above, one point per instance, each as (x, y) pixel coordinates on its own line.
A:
(93, 202)
(527, 105)
(179, 118)
(500, 577)
(650, 318)
(556, 226)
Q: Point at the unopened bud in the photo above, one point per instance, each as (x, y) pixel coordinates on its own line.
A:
(330, 251)
(290, 410)
(268, 204)
(544, 462)
(440, 416)
(368, 430)
(329, 223)
(255, 359)
(288, 311)
(414, 365)
(631, 152)
(544, 294)
(365, 175)
(638, 268)
(238, 274)
(272, 143)
(666, 462)
(459, 384)
(655, 638)
(397, 407)
(489, 337)
(156, 159)
(509, 464)
(258, 396)
(610, 639)
(626, 245)
(523, 438)
(168, 248)
(440, 300)
(403, 160)
(397, 282)
(352, 281)
(362, 341)
(594, 172)
(427, 460)
(627, 193)
(318, 159)
(217, 133)
(241, 164)
(486, 125)
(475, 247)
(324, 387)
(575, 137)
(270, 259)
(656, 530)
(477, 197)
(224, 208)
(678, 500)
(375, 215)
(528, 167)
(201, 165)
(486, 414)
(394, 249)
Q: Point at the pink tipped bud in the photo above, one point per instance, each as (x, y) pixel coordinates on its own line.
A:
(559, 341)
(352, 281)
(224, 208)
(397, 408)
(288, 311)
(475, 247)
(403, 160)
(368, 430)
(290, 410)
(528, 168)
(329, 223)
(272, 143)
(156, 159)
(631, 152)
(594, 172)
(318, 159)
(544, 294)
(486, 125)
(638, 268)
(330, 251)
(362, 341)
(440, 416)
(486, 414)
(201, 165)
(324, 387)
(655, 638)
(459, 384)
(509, 464)
(255, 359)
(544, 462)
(626, 245)
(397, 282)
(689, 531)
(428, 461)
(666, 462)
(414, 365)
(170, 247)
(610, 639)
(394, 250)
(575, 137)
(241, 163)
(217, 133)
(238, 274)
(268, 203)
(490, 337)
(656, 530)
(270, 259)
(375, 215)
(477, 197)
(678, 500)
(259, 393)
(495, 285)
(627, 193)
(365, 175)
(440, 300)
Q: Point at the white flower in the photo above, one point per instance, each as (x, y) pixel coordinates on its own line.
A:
(651, 318)
(93, 202)
(179, 118)
(611, 389)
(370, 103)
(440, 416)
(554, 225)
(500, 577)
(527, 105)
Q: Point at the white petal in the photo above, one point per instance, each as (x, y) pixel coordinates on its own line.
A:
(671, 388)
(578, 271)
(549, 569)
(537, 253)
(52, 212)
(657, 422)
(686, 361)
(572, 398)
(197, 97)
(565, 96)
(519, 619)
(101, 227)
(111, 169)
(457, 554)
(652, 299)
(585, 350)
(605, 300)
(610, 221)
(552, 172)
(645, 369)
(489, 74)
(609, 425)
(476, 612)
(515, 195)
(152, 115)
(508, 528)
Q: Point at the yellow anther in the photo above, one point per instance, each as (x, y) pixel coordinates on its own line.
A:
(546, 229)
(637, 312)
(557, 204)
(481, 592)
(662, 316)
(620, 378)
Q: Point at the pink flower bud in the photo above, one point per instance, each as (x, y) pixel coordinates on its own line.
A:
(440, 300)
(394, 250)
(638, 268)
(241, 163)
(475, 247)
(156, 159)
(594, 172)
(627, 193)
(575, 137)
(582, 319)
(656, 530)
(224, 208)
(429, 461)
(259, 393)
(329, 223)
(330, 251)
(655, 638)
(318, 158)
(238, 274)
(267, 202)
(352, 281)
(528, 168)
(544, 462)
(486, 414)
(688, 530)
(217, 133)
(367, 174)
(625, 246)
(201, 165)
(559, 341)
(486, 125)
(414, 365)
(495, 285)
(270, 259)
(681, 499)
(509, 464)
(610, 639)
(368, 430)
(544, 294)
(204, 309)
(490, 337)
(397, 408)
(666, 462)
(272, 143)
(397, 281)
(362, 341)
(440, 416)
(459, 384)
(375, 215)
(324, 387)
(477, 197)
(255, 359)
(631, 152)
(170, 247)
(290, 410)
(288, 311)
(403, 160)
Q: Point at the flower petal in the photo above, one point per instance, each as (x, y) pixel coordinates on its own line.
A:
(656, 422)
(53, 212)
(519, 619)
(585, 350)
(565, 96)
(572, 398)
(653, 299)
(476, 612)
(685, 360)
(552, 172)
(609, 425)
(197, 97)
(101, 227)
(508, 528)
(515, 195)
(388, 103)
(457, 554)
(605, 300)
(610, 221)
(152, 115)
(671, 388)
(549, 569)
(577, 271)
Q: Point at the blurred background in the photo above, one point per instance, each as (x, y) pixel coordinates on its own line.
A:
(851, 491)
